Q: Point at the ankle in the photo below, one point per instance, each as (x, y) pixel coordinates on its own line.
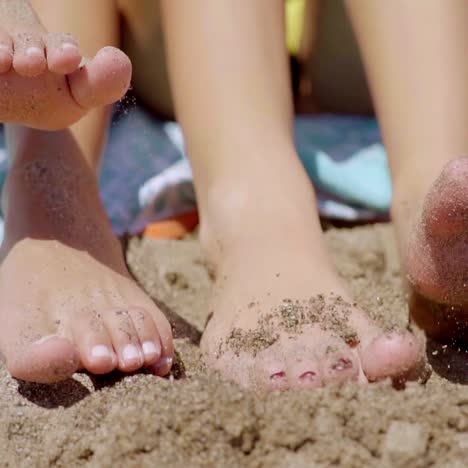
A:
(237, 217)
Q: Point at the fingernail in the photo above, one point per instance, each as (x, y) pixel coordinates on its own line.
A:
(131, 353)
(163, 362)
(100, 351)
(34, 52)
(151, 349)
(69, 46)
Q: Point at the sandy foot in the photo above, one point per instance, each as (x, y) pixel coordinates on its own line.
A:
(282, 319)
(40, 78)
(67, 300)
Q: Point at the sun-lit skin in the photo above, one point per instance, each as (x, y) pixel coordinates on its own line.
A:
(43, 85)
(259, 223)
(67, 300)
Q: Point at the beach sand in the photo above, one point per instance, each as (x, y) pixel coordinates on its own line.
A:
(194, 419)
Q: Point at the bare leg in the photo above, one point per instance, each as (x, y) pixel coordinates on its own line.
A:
(260, 226)
(143, 42)
(415, 54)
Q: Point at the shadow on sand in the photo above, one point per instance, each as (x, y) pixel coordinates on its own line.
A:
(66, 393)
(451, 363)
(71, 391)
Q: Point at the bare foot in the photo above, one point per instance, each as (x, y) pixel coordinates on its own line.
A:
(282, 317)
(67, 300)
(437, 256)
(42, 84)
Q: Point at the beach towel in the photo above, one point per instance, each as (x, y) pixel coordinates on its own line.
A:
(146, 176)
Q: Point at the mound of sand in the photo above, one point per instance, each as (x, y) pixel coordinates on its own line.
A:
(193, 419)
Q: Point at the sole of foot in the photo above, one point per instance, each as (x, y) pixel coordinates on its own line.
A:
(43, 85)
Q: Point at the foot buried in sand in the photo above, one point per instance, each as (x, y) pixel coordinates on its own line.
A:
(273, 343)
(437, 257)
(42, 83)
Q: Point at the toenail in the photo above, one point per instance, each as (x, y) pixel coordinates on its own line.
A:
(69, 46)
(150, 348)
(342, 364)
(309, 375)
(34, 52)
(44, 339)
(278, 375)
(131, 353)
(100, 351)
(163, 362)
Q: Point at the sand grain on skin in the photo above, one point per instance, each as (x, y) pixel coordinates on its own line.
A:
(197, 420)
(330, 313)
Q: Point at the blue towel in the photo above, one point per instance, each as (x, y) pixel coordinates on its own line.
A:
(146, 177)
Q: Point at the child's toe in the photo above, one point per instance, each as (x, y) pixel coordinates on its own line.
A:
(63, 54)
(393, 355)
(270, 372)
(148, 335)
(306, 373)
(29, 56)
(125, 340)
(340, 366)
(94, 344)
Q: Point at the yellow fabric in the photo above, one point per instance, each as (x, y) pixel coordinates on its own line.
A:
(295, 10)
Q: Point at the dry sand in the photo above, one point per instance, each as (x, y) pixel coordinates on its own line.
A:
(193, 419)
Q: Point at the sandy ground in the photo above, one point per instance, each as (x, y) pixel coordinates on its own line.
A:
(193, 419)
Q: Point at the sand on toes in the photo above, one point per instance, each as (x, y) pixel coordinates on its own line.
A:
(41, 81)
(51, 102)
(271, 329)
(437, 257)
(67, 300)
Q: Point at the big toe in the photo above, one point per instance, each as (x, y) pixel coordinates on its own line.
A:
(445, 212)
(395, 355)
(103, 80)
(48, 360)
(437, 256)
